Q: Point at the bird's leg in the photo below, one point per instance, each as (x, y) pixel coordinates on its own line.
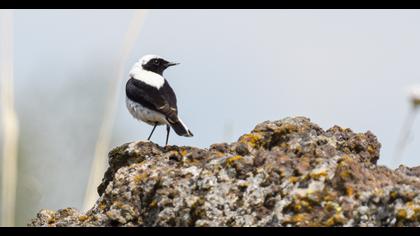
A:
(152, 132)
(168, 128)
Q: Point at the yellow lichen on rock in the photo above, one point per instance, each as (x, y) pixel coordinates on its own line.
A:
(251, 139)
(183, 152)
(335, 220)
(401, 214)
(83, 218)
(317, 175)
(393, 195)
(349, 191)
(293, 179)
(140, 177)
(153, 204)
(231, 160)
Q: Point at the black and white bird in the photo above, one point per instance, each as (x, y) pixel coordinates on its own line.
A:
(150, 98)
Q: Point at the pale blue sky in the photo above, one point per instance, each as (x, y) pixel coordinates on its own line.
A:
(238, 68)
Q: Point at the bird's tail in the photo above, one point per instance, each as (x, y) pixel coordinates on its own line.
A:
(181, 129)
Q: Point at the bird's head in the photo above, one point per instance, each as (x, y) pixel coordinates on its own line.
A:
(155, 63)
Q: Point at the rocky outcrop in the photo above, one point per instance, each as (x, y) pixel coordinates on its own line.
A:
(284, 173)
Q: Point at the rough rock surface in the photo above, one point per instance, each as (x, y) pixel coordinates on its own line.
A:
(284, 173)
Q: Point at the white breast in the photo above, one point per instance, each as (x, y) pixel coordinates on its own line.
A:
(144, 114)
(148, 77)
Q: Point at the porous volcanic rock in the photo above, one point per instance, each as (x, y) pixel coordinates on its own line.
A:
(288, 172)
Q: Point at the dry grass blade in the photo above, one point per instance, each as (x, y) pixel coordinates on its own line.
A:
(102, 145)
(405, 134)
(9, 121)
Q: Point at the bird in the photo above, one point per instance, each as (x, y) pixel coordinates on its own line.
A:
(150, 98)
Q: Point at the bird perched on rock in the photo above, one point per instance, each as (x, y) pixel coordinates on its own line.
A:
(150, 98)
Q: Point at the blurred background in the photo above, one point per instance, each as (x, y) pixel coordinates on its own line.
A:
(238, 68)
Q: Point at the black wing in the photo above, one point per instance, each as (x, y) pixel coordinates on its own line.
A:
(168, 93)
(162, 100)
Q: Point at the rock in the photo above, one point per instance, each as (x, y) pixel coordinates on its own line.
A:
(283, 173)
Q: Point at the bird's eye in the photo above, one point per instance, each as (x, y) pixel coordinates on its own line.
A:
(156, 61)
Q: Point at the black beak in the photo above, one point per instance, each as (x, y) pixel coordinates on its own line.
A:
(171, 64)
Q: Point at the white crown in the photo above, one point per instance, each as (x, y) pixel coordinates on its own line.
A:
(147, 58)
